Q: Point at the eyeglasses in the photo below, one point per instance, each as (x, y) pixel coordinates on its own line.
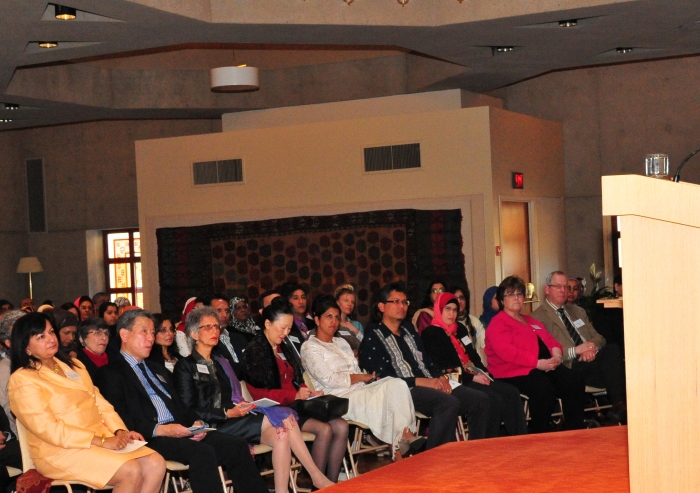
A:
(565, 287)
(461, 298)
(209, 327)
(398, 302)
(167, 329)
(99, 332)
(438, 290)
(517, 294)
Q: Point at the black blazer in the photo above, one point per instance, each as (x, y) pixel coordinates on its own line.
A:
(206, 393)
(123, 389)
(438, 345)
(87, 363)
(260, 364)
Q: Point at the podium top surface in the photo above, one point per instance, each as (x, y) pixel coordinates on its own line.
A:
(654, 198)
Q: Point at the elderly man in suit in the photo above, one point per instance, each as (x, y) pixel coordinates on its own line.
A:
(144, 396)
(585, 350)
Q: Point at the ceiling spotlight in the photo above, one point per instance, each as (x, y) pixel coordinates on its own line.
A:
(5, 121)
(10, 106)
(48, 44)
(569, 23)
(501, 49)
(402, 2)
(64, 13)
(348, 1)
(231, 79)
(622, 51)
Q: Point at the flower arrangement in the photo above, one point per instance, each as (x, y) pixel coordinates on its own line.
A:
(587, 301)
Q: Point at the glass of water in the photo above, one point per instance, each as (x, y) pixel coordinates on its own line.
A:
(656, 165)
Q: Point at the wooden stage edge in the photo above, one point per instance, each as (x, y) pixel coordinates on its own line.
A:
(593, 460)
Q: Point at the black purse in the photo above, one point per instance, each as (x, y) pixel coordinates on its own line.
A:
(323, 408)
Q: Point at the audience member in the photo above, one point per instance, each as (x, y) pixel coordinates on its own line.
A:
(44, 308)
(72, 430)
(385, 406)
(27, 305)
(66, 324)
(183, 347)
(350, 330)
(610, 322)
(122, 303)
(207, 384)
(5, 306)
(575, 290)
(490, 306)
(531, 360)
(584, 350)
(70, 307)
(85, 307)
(450, 346)
(296, 294)
(477, 333)
(10, 453)
(93, 335)
(392, 348)
(233, 344)
(424, 316)
(273, 370)
(241, 321)
(7, 320)
(144, 396)
(97, 300)
(163, 351)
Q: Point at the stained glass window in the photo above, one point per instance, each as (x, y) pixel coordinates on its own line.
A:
(122, 254)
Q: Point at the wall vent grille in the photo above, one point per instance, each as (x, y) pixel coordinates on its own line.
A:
(36, 196)
(210, 172)
(388, 158)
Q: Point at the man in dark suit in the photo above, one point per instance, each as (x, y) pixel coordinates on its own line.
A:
(144, 396)
(585, 350)
(231, 343)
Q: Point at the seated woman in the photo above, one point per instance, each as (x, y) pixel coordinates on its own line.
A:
(521, 352)
(163, 351)
(424, 316)
(66, 327)
(490, 306)
(72, 431)
(350, 330)
(476, 330)
(385, 406)
(450, 346)
(85, 307)
(241, 322)
(207, 383)
(93, 335)
(273, 370)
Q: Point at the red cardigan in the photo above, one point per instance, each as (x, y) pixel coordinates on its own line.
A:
(287, 394)
(512, 347)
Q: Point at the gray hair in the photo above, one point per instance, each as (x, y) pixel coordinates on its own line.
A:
(7, 320)
(194, 318)
(128, 319)
(122, 301)
(548, 280)
(92, 323)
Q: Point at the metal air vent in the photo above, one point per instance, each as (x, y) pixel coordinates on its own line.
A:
(210, 172)
(387, 158)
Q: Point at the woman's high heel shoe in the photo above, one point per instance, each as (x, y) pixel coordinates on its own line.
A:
(413, 445)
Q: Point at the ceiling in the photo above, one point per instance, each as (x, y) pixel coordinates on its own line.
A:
(146, 59)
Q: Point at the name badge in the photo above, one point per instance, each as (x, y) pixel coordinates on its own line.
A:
(344, 333)
(578, 324)
(170, 367)
(72, 375)
(160, 377)
(202, 369)
(535, 327)
(294, 339)
(282, 356)
(466, 340)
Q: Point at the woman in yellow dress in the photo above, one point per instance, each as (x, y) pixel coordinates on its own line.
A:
(73, 433)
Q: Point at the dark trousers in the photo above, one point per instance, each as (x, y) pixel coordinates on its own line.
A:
(205, 456)
(10, 455)
(506, 405)
(606, 370)
(444, 408)
(543, 388)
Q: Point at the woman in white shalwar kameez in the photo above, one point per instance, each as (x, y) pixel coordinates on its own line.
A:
(385, 405)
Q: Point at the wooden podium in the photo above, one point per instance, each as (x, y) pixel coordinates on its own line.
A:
(660, 243)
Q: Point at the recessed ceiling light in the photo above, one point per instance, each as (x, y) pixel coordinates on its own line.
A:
(501, 49)
(568, 23)
(5, 121)
(10, 106)
(48, 44)
(623, 50)
(64, 13)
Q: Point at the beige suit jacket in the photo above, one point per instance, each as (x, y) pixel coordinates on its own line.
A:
(554, 325)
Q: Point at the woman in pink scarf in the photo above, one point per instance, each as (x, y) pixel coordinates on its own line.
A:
(449, 346)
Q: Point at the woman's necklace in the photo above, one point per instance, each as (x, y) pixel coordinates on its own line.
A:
(56, 369)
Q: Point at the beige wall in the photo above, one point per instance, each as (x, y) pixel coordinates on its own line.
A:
(611, 117)
(90, 182)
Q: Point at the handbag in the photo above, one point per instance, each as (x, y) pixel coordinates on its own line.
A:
(323, 408)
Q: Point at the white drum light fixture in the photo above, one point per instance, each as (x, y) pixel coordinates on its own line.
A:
(231, 79)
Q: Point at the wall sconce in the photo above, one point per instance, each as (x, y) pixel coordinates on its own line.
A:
(530, 294)
(29, 265)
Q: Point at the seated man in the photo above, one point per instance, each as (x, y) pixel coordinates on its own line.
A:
(144, 396)
(584, 349)
(232, 344)
(392, 348)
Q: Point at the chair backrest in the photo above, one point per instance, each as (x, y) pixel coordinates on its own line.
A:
(27, 462)
(309, 383)
(245, 392)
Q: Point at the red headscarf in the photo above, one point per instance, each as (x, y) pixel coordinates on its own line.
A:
(440, 302)
(189, 306)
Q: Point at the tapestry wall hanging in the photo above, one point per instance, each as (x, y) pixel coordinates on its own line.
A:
(366, 249)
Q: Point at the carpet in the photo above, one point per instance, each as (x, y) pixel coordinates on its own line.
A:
(593, 460)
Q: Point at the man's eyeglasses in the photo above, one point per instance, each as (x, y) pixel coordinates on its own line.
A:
(398, 302)
(565, 287)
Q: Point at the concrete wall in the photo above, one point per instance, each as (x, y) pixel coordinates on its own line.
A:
(90, 182)
(611, 118)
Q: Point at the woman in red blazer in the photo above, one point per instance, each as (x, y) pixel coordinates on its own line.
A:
(521, 352)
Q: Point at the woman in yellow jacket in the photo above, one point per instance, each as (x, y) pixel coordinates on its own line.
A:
(73, 433)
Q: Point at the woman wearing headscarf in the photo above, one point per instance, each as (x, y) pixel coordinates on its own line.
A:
(450, 347)
(241, 322)
(183, 347)
(491, 307)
